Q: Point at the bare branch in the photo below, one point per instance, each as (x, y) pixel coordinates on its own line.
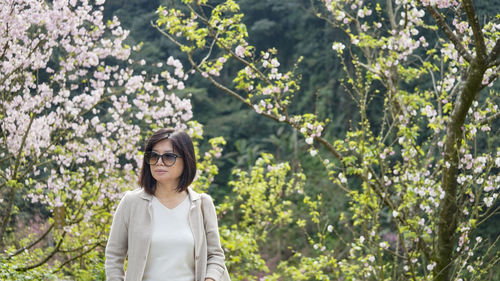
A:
(166, 34)
(48, 257)
(209, 52)
(329, 147)
(224, 88)
(78, 256)
(32, 243)
(489, 213)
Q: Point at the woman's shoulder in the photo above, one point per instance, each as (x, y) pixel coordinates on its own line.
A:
(202, 195)
(206, 196)
(136, 195)
(206, 200)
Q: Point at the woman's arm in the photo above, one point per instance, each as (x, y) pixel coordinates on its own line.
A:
(215, 259)
(116, 249)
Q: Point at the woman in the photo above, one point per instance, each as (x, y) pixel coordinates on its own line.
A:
(168, 231)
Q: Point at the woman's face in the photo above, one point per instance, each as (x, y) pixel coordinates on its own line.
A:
(166, 174)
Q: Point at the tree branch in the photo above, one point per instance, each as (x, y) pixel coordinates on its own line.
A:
(489, 213)
(476, 30)
(7, 35)
(447, 222)
(78, 256)
(32, 243)
(494, 63)
(8, 211)
(7, 214)
(490, 80)
(390, 12)
(489, 119)
(21, 65)
(48, 257)
(449, 33)
(329, 147)
(493, 56)
(224, 88)
(227, 49)
(239, 97)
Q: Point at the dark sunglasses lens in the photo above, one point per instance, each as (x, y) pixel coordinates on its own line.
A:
(152, 158)
(168, 159)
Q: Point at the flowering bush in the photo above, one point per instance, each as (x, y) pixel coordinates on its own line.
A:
(73, 119)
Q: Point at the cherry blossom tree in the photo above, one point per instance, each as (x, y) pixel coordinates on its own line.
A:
(420, 173)
(73, 119)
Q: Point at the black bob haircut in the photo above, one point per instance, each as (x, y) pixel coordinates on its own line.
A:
(182, 145)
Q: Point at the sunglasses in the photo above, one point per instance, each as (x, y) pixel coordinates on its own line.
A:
(168, 158)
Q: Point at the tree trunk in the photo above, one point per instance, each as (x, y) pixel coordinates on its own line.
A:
(447, 225)
(7, 214)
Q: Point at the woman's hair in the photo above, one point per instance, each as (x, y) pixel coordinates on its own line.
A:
(182, 145)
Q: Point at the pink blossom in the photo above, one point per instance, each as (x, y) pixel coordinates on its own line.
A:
(240, 51)
(60, 122)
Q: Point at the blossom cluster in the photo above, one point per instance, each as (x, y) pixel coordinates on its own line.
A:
(74, 113)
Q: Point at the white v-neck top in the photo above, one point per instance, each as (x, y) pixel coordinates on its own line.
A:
(171, 254)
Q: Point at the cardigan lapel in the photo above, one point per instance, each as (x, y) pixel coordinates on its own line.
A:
(197, 226)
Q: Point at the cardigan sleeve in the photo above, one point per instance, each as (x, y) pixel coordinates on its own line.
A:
(215, 259)
(117, 246)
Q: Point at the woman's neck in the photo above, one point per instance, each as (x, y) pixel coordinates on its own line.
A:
(167, 191)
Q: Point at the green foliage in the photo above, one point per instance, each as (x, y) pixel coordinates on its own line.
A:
(409, 160)
(261, 218)
(8, 272)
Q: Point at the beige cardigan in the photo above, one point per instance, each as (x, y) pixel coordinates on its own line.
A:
(130, 236)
